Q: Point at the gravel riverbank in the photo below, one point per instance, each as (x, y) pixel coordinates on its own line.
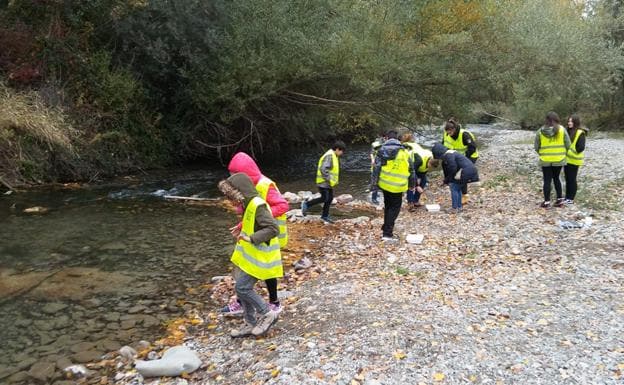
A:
(499, 294)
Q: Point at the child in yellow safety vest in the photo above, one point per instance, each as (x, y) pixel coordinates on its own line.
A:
(256, 255)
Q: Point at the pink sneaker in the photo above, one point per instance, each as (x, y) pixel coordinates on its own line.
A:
(276, 307)
(232, 309)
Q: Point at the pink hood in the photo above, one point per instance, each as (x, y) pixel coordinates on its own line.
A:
(242, 162)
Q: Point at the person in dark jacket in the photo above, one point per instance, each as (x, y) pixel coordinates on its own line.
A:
(458, 171)
(393, 173)
(462, 141)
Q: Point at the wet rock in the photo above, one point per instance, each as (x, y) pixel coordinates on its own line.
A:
(42, 371)
(46, 325)
(8, 371)
(62, 322)
(25, 363)
(63, 363)
(54, 307)
(18, 377)
(127, 353)
(108, 345)
(82, 346)
(128, 324)
(149, 321)
(114, 246)
(136, 309)
(112, 316)
(84, 357)
(23, 322)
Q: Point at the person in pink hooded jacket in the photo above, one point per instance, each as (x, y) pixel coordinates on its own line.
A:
(241, 162)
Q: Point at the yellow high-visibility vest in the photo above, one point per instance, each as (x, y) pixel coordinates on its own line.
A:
(260, 261)
(552, 150)
(425, 155)
(394, 175)
(263, 189)
(334, 173)
(572, 156)
(458, 144)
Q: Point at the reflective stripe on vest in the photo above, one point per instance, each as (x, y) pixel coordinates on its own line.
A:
(394, 176)
(572, 156)
(458, 144)
(552, 150)
(260, 261)
(263, 189)
(333, 173)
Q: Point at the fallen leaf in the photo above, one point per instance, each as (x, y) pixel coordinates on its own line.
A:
(399, 355)
(438, 377)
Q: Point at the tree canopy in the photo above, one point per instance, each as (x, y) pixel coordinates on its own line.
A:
(144, 83)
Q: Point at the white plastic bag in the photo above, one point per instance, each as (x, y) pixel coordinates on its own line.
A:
(174, 362)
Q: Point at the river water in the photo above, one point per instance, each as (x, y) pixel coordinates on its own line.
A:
(107, 265)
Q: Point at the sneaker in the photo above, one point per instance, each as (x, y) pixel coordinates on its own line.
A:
(276, 307)
(545, 204)
(327, 220)
(560, 202)
(244, 331)
(569, 202)
(265, 323)
(233, 309)
(304, 208)
(389, 238)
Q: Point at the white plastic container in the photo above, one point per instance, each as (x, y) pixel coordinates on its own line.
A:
(414, 239)
(433, 207)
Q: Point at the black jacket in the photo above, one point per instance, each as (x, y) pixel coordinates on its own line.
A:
(452, 163)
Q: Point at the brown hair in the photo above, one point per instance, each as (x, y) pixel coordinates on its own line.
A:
(552, 120)
(576, 121)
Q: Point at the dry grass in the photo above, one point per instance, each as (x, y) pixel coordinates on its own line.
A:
(24, 114)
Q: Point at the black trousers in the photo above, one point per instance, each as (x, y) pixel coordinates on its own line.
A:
(571, 172)
(326, 198)
(551, 175)
(392, 207)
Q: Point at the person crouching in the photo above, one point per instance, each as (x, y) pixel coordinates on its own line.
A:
(458, 171)
(256, 255)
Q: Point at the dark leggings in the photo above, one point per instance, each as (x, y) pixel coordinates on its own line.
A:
(326, 198)
(272, 287)
(551, 174)
(571, 172)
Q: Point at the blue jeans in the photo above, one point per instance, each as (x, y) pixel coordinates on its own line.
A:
(456, 194)
(423, 184)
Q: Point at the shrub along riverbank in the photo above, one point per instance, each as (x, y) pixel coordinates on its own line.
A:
(102, 87)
